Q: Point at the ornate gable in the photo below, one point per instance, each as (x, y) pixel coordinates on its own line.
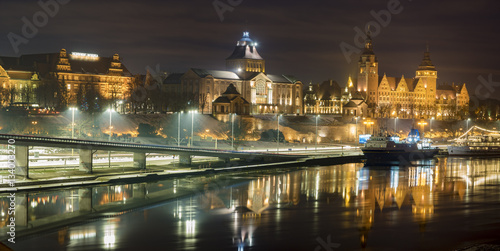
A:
(420, 87)
(3, 73)
(402, 86)
(384, 84)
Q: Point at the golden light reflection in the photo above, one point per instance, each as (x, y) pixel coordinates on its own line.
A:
(109, 238)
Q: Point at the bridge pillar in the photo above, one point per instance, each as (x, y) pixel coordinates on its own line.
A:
(86, 160)
(140, 160)
(185, 159)
(85, 199)
(22, 164)
(21, 210)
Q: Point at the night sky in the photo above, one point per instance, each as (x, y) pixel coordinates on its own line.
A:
(300, 38)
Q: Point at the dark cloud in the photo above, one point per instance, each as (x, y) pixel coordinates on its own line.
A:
(295, 37)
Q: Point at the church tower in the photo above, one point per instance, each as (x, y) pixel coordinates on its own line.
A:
(368, 73)
(427, 73)
(245, 58)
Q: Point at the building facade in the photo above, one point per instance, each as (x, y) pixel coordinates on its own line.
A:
(62, 79)
(18, 87)
(323, 98)
(417, 97)
(231, 102)
(267, 93)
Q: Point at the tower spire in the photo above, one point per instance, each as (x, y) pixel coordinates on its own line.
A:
(426, 61)
(368, 43)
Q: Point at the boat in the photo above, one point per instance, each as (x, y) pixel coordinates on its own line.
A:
(487, 143)
(390, 150)
(483, 145)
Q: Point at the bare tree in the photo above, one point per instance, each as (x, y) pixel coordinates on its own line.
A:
(203, 101)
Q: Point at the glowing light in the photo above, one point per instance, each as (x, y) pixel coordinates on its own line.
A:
(84, 56)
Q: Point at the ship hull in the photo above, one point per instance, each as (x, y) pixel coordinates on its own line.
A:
(398, 156)
(474, 150)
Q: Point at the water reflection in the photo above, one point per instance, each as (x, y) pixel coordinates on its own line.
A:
(266, 200)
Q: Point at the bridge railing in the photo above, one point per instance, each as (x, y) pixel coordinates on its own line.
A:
(127, 145)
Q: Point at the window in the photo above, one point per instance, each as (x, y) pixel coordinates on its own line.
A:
(261, 88)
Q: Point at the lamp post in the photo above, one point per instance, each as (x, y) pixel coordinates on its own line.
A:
(316, 142)
(468, 124)
(73, 109)
(356, 134)
(430, 127)
(369, 123)
(192, 125)
(179, 129)
(232, 130)
(278, 134)
(72, 122)
(422, 123)
(110, 110)
(396, 124)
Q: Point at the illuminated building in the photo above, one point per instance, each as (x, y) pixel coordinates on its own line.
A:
(267, 93)
(324, 98)
(231, 102)
(417, 97)
(55, 79)
(18, 86)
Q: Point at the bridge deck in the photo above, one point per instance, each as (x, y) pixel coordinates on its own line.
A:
(138, 148)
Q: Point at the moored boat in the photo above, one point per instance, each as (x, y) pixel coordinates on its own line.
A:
(476, 146)
(389, 149)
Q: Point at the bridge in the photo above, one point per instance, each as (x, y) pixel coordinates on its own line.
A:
(87, 148)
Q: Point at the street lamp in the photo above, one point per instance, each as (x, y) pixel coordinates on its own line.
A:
(192, 125)
(72, 109)
(369, 123)
(120, 103)
(179, 129)
(278, 134)
(316, 142)
(468, 124)
(396, 124)
(422, 123)
(430, 127)
(232, 130)
(356, 134)
(110, 110)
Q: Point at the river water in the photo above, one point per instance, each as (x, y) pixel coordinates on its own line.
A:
(445, 204)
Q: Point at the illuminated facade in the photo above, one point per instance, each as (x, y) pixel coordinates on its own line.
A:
(267, 93)
(324, 98)
(417, 97)
(231, 102)
(61, 77)
(18, 87)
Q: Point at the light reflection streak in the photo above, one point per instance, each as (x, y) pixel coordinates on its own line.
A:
(109, 238)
